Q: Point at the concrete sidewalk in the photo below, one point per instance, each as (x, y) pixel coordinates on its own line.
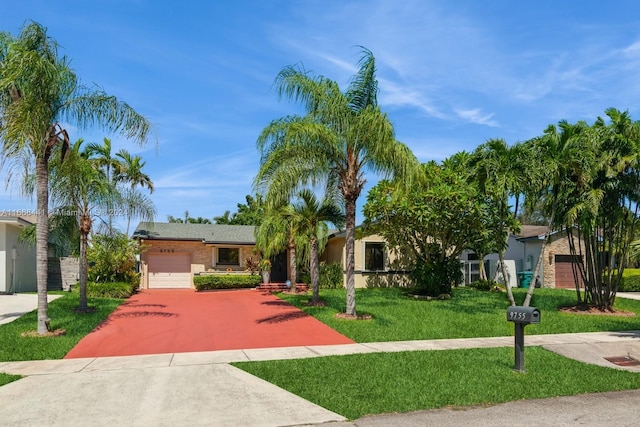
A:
(202, 389)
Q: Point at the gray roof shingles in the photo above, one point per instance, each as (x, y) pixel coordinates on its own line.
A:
(207, 233)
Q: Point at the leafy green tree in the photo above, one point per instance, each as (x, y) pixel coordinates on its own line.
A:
(434, 220)
(309, 217)
(340, 137)
(38, 93)
(250, 213)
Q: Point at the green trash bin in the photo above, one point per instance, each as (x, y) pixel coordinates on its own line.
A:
(525, 278)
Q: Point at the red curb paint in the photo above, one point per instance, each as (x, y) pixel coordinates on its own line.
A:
(178, 321)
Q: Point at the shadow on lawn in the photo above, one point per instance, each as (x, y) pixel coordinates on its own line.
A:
(279, 303)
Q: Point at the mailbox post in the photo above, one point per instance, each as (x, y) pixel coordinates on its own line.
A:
(521, 317)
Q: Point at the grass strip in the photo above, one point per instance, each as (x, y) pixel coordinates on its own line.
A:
(469, 313)
(363, 384)
(62, 313)
(6, 378)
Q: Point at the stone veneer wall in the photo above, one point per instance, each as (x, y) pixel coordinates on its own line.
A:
(558, 246)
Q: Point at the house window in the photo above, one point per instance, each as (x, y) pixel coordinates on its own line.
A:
(228, 256)
(373, 256)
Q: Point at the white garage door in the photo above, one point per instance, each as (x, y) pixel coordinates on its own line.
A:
(169, 271)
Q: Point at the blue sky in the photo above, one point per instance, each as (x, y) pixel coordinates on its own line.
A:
(452, 74)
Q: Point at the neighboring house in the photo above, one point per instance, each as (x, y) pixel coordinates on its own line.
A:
(524, 249)
(17, 259)
(173, 252)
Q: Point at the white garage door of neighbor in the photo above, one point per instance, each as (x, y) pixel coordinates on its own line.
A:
(169, 271)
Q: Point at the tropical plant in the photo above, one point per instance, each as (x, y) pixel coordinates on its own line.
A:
(38, 93)
(434, 221)
(81, 189)
(309, 217)
(340, 137)
(130, 172)
(112, 258)
(499, 175)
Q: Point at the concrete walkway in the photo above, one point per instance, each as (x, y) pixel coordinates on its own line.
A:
(13, 306)
(202, 389)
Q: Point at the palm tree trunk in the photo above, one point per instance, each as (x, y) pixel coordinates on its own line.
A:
(82, 304)
(293, 272)
(42, 241)
(512, 301)
(350, 225)
(314, 270)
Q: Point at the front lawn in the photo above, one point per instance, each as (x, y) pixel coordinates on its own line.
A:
(61, 312)
(362, 384)
(469, 313)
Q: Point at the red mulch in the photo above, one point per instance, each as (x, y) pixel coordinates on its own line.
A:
(589, 309)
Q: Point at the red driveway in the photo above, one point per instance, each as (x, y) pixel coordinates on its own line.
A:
(176, 321)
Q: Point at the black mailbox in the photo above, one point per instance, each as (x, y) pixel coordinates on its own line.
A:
(523, 314)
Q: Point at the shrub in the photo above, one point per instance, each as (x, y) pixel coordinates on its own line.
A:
(118, 290)
(436, 278)
(483, 285)
(331, 276)
(226, 281)
(111, 257)
(630, 280)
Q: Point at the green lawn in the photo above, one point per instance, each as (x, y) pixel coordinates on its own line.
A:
(469, 313)
(6, 378)
(61, 312)
(362, 384)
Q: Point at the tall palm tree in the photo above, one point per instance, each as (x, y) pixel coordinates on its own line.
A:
(310, 217)
(341, 136)
(80, 186)
(130, 172)
(38, 92)
(499, 176)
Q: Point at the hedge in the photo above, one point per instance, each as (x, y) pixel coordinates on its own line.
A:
(630, 280)
(226, 281)
(119, 290)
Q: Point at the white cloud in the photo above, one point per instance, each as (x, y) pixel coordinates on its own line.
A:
(476, 116)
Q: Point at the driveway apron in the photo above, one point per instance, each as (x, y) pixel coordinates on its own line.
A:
(177, 321)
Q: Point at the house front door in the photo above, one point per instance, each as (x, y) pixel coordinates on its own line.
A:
(279, 268)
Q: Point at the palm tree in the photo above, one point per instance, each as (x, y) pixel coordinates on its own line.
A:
(130, 172)
(309, 218)
(38, 92)
(79, 186)
(101, 155)
(275, 233)
(341, 136)
(499, 176)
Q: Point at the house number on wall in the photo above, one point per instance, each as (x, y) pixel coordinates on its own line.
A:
(166, 251)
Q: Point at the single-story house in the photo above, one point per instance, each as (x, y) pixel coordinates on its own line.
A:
(524, 249)
(17, 259)
(173, 252)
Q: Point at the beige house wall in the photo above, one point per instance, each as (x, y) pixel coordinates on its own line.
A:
(335, 251)
(202, 256)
